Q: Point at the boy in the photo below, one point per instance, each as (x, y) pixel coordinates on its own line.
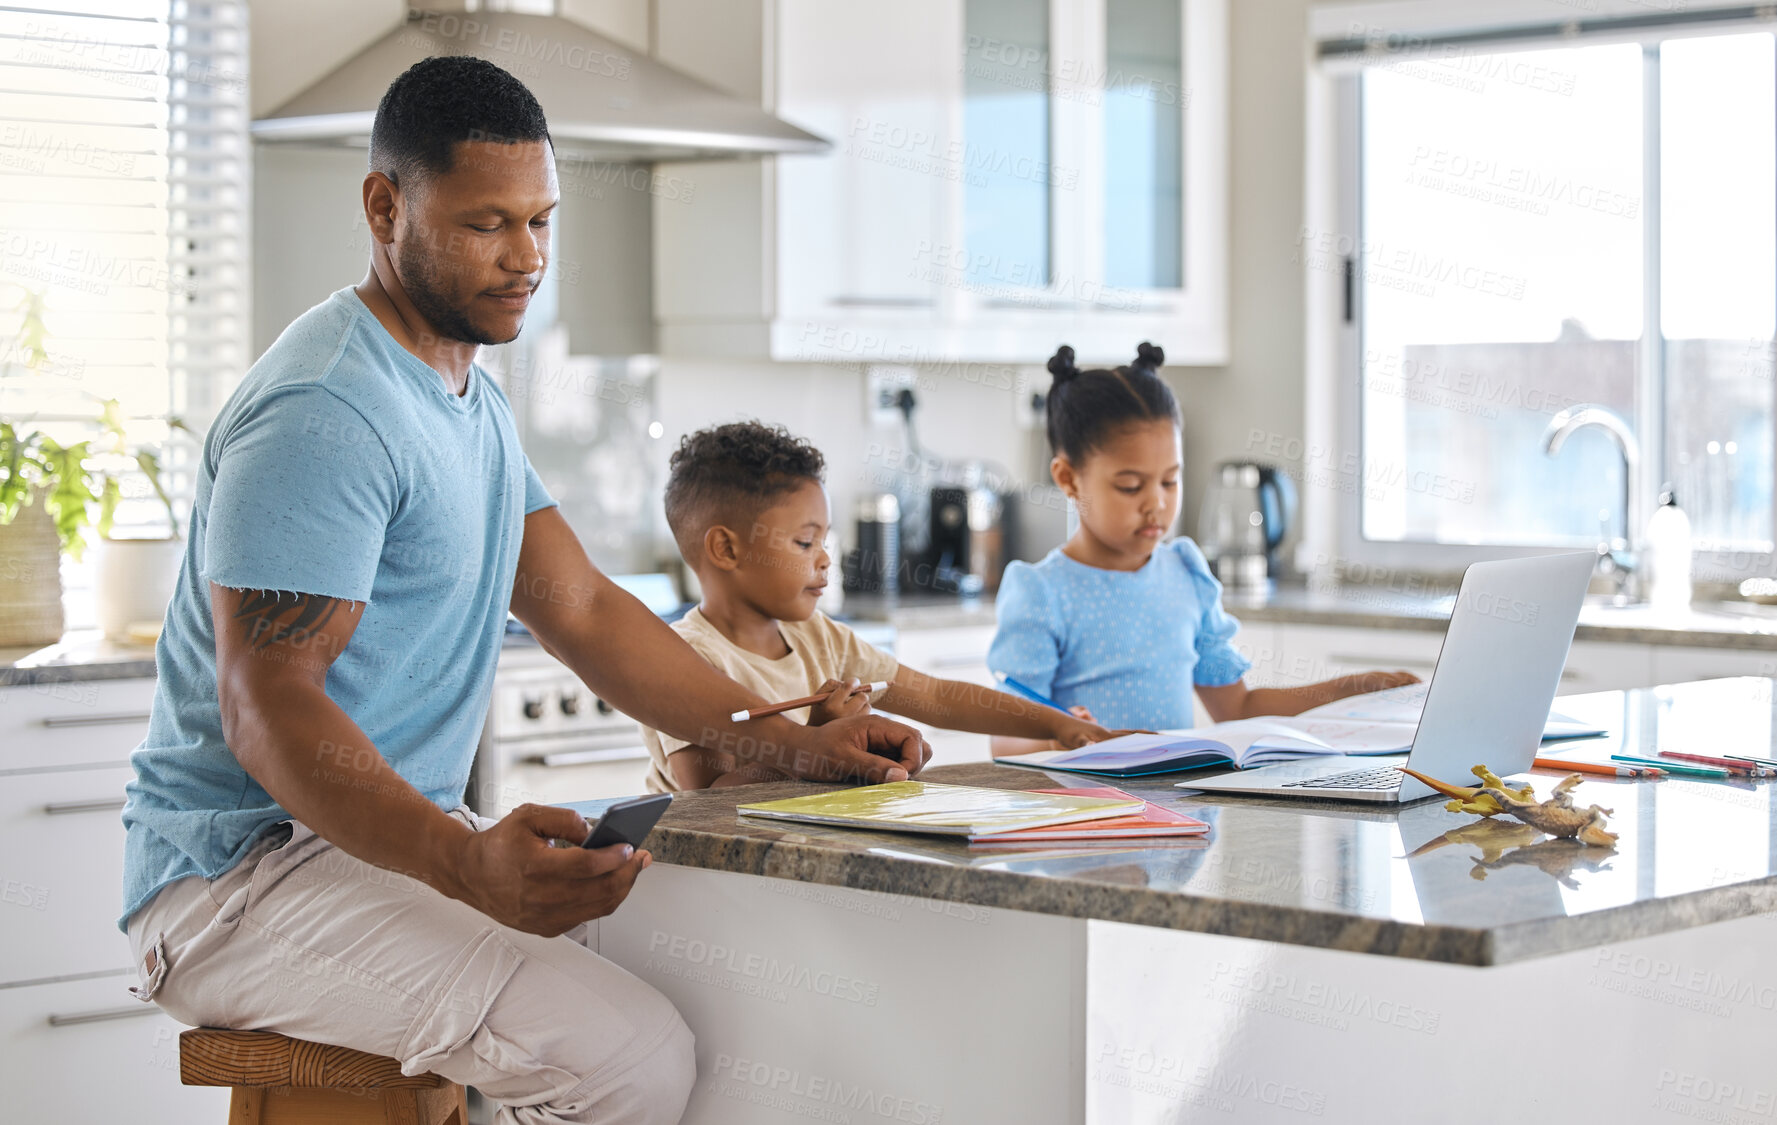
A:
(746, 504)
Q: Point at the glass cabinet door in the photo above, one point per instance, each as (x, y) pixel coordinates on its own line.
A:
(1143, 153)
(1005, 163)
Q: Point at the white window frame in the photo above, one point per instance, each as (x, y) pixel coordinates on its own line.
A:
(1343, 165)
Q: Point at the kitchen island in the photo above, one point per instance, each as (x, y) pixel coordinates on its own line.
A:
(1308, 958)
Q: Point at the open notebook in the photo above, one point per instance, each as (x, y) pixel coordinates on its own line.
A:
(1378, 723)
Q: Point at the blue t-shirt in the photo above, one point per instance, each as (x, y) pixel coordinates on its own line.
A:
(342, 466)
(1126, 645)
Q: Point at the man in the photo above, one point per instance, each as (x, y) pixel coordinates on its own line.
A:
(298, 858)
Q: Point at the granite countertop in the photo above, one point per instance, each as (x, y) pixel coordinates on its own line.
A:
(1741, 625)
(1424, 607)
(1417, 882)
(921, 611)
(79, 656)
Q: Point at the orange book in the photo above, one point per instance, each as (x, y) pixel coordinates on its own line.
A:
(1152, 821)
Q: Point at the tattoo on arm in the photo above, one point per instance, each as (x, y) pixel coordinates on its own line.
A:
(268, 619)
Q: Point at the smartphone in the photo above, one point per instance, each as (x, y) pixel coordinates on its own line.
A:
(628, 822)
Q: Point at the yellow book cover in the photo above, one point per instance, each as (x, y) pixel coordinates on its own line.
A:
(944, 810)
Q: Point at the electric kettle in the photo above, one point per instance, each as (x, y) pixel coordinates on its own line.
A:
(1247, 511)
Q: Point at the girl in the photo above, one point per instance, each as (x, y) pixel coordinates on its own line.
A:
(1116, 624)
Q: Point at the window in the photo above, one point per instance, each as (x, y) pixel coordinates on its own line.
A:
(123, 181)
(1541, 229)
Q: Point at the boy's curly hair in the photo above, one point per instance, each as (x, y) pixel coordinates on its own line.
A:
(728, 474)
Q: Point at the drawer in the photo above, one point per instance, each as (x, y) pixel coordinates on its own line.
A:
(61, 873)
(1675, 665)
(1603, 666)
(1306, 654)
(949, 654)
(69, 724)
(89, 1051)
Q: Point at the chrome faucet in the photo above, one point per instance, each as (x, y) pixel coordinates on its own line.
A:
(1616, 557)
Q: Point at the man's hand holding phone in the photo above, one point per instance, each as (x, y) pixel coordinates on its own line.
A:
(513, 874)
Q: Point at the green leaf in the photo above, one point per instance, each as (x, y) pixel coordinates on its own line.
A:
(70, 491)
(150, 465)
(13, 488)
(32, 334)
(109, 495)
(111, 422)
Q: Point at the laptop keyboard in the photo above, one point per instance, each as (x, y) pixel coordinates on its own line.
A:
(1386, 777)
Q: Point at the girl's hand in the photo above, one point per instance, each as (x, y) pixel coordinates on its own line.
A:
(1071, 732)
(1079, 712)
(1366, 682)
(844, 699)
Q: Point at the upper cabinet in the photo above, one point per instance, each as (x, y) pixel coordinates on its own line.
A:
(1006, 176)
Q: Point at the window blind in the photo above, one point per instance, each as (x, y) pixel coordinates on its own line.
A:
(123, 218)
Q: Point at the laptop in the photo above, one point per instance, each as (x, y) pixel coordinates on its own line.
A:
(1488, 698)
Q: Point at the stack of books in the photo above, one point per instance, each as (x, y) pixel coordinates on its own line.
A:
(1030, 818)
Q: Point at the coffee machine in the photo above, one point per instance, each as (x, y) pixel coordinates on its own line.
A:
(1248, 509)
(967, 548)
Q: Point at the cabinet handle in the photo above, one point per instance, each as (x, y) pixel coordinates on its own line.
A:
(62, 808)
(591, 757)
(959, 660)
(54, 723)
(1378, 661)
(100, 1015)
(852, 302)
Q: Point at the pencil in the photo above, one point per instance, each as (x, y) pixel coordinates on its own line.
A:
(1752, 759)
(792, 704)
(1596, 767)
(1684, 768)
(1031, 694)
(1749, 769)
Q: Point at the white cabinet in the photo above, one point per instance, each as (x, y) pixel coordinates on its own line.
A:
(87, 1050)
(1674, 664)
(1608, 666)
(1006, 176)
(956, 653)
(1287, 655)
(61, 882)
(78, 1045)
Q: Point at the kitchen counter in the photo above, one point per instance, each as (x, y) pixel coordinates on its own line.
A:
(1423, 607)
(78, 657)
(920, 611)
(84, 656)
(1417, 882)
(1738, 625)
(1257, 975)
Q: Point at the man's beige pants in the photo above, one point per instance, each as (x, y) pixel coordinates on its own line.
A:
(301, 938)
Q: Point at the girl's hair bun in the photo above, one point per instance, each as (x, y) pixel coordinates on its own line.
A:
(1061, 365)
(1149, 356)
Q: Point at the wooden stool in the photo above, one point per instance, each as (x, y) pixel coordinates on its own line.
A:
(282, 1081)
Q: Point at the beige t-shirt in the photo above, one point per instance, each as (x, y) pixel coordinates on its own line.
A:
(821, 649)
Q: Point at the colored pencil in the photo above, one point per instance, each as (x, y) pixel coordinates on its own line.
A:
(792, 704)
(1669, 766)
(1751, 769)
(1031, 694)
(1753, 758)
(1596, 767)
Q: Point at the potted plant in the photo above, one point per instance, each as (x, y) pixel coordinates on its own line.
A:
(55, 489)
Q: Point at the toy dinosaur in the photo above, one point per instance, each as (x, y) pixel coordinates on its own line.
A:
(1557, 816)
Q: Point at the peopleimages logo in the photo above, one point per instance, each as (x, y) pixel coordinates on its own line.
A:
(767, 970)
(772, 1085)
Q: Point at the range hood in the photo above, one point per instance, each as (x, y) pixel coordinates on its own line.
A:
(603, 100)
